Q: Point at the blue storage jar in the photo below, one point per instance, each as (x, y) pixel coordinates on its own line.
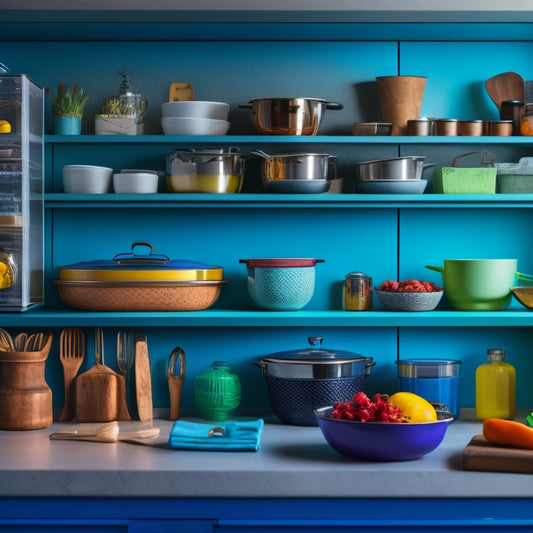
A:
(436, 380)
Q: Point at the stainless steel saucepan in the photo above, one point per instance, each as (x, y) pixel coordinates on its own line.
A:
(288, 116)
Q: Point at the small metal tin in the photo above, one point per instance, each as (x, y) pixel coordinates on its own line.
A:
(471, 128)
(357, 295)
(419, 126)
(447, 127)
(500, 127)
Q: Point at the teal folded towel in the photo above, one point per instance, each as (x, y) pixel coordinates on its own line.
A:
(233, 436)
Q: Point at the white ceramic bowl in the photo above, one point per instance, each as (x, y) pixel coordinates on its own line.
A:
(135, 182)
(194, 126)
(87, 179)
(195, 109)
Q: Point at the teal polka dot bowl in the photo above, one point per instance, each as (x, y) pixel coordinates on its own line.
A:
(281, 284)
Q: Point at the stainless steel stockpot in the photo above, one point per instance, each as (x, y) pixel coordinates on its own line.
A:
(288, 116)
(394, 168)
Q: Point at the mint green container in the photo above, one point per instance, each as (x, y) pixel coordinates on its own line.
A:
(217, 391)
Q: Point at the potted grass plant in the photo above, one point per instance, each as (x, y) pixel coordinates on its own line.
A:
(67, 108)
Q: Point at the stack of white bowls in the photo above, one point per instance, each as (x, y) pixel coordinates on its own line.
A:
(195, 117)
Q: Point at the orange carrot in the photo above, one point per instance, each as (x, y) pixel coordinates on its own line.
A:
(508, 433)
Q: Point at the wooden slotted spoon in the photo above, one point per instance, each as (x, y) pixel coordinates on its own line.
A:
(71, 354)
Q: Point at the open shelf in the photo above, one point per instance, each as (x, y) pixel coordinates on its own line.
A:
(60, 317)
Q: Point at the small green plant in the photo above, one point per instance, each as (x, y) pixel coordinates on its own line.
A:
(67, 102)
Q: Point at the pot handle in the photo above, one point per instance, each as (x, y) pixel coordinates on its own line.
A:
(369, 363)
(247, 105)
(524, 277)
(260, 153)
(334, 105)
(436, 269)
(262, 366)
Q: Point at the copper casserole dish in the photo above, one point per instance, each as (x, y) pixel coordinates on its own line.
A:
(140, 282)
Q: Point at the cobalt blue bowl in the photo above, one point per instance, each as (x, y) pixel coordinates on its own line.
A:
(381, 441)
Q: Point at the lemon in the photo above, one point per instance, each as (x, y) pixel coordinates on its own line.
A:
(414, 408)
(5, 126)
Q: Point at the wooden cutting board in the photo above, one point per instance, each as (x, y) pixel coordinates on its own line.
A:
(481, 455)
(143, 378)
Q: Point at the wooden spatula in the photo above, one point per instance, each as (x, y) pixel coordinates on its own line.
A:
(100, 392)
(143, 378)
(505, 86)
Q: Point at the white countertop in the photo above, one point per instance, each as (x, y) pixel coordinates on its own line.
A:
(292, 462)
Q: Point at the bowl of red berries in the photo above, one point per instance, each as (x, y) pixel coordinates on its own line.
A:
(401, 427)
(409, 295)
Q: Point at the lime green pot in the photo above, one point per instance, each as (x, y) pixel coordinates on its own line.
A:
(478, 284)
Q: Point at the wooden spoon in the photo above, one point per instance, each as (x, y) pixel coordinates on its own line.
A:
(505, 86)
(106, 433)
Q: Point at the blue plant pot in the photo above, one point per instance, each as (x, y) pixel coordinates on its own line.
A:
(67, 125)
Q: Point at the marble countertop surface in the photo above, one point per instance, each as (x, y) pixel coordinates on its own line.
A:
(293, 462)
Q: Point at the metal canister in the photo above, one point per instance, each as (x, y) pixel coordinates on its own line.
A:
(513, 110)
(357, 292)
(436, 380)
(447, 126)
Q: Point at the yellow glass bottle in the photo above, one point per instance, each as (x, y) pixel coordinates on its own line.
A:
(495, 387)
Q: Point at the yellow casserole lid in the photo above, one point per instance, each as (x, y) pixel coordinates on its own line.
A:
(140, 267)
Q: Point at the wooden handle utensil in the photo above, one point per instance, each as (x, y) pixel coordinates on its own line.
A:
(106, 433)
(175, 383)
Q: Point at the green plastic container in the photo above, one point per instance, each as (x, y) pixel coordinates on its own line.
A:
(471, 180)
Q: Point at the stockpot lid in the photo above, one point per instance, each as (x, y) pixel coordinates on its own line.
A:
(428, 368)
(314, 354)
(315, 363)
(140, 267)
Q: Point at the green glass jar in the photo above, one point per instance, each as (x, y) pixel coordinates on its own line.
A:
(217, 391)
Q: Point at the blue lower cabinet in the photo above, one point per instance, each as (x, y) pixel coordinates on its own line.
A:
(62, 526)
(370, 526)
(171, 526)
(106, 526)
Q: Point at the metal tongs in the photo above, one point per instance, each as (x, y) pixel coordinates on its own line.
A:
(175, 382)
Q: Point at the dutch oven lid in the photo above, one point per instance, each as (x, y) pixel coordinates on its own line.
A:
(315, 354)
(140, 267)
(281, 262)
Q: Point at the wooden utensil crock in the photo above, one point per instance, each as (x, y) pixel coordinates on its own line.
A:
(25, 397)
(400, 99)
